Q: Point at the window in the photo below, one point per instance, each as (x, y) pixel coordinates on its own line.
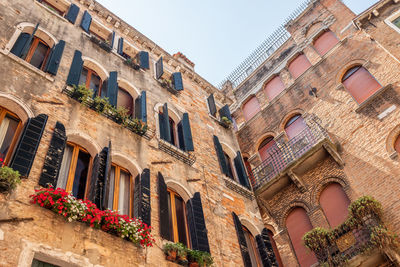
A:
(10, 127)
(251, 108)
(121, 191)
(334, 202)
(252, 247)
(295, 126)
(177, 218)
(57, 6)
(74, 171)
(273, 88)
(229, 165)
(248, 168)
(360, 83)
(92, 81)
(38, 263)
(325, 42)
(397, 144)
(299, 65)
(396, 22)
(267, 147)
(125, 100)
(274, 247)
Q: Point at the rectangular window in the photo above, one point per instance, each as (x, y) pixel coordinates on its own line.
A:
(396, 22)
(58, 6)
(38, 263)
(120, 196)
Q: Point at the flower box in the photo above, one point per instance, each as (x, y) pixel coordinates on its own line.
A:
(102, 44)
(129, 62)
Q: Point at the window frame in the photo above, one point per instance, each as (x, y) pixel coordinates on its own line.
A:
(175, 233)
(50, 6)
(132, 107)
(32, 49)
(389, 21)
(3, 113)
(117, 176)
(89, 78)
(253, 246)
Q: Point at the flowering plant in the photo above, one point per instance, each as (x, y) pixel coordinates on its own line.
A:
(73, 209)
(8, 178)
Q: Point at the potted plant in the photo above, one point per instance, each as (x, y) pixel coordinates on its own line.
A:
(170, 250)
(129, 62)
(226, 122)
(121, 115)
(8, 178)
(101, 104)
(81, 93)
(181, 253)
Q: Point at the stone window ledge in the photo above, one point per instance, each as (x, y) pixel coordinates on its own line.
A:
(50, 11)
(372, 98)
(177, 153)
(238, 188)
(27, 65)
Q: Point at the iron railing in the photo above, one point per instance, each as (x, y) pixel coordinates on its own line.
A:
(283, 154)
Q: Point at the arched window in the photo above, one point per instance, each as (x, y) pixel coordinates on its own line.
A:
(267, 147)
(229, 165)
(273, 88)
(297, 224)
(397, 144)
(334, 202)
(177, 218)
(360, 83)
(125, 100)
(120, 195)
(274, 247)
(10, 127)
(299, 65)
(251, 108)
(325, 42)
(252, 248)
(92, 81)
(295, 126)
(74, 170)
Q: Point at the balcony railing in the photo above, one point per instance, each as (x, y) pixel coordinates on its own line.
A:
(284, 154)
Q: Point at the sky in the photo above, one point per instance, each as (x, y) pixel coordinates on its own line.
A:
(217, 35)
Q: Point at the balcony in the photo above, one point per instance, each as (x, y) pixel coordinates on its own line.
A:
(293, 157)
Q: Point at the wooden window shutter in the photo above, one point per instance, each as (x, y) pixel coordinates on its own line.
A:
(220, 155)
(120, 49)
(177, 81)
(165, 132)
(112, 40)
(86, 21)
(242, 241)
(112, 88)
(141, 107)
(240, 170)
(55, 58)
(28, 145)
(141, 202)
(107, 172)
(97, 188)
(265, 249)
(20, 44)
(186, 133)
(75, 69)
(143, 58)
(163, 207)
(197, 224)
(159, 68)
(72, 14)
(27, 45)
(225, 112)
(54, 156)
(211, 105)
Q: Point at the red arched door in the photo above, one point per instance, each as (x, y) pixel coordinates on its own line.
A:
(334, 202)
(297, 224)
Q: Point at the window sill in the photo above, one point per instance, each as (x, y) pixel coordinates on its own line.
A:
(226, 126)
(51, 11)
(27, 65)
(238, 188)
(177, 153)
(369, 101)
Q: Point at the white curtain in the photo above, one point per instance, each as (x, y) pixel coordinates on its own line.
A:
(124, 193)
(3, 131)
(64, 169)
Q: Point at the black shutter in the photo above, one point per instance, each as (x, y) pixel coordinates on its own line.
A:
(165, 132)
(54, 60)
(86, 21)
(221, 156)
(225, 112)
(54, 156)
(242, 241)
(186, 133)
(112, 88)
(72, 13)
(197, 224)
(180, 136)
(27, 45)
(265, 249)
(159, 68)
(211, 105)
(141, 202)
(161, 124)
(241, 171)
(112, 40)
(140, 107)
(164, 210)
(76, 69)
(28, 145)
(107, 172)
(177, 81)
(120, 48)
(20, 44)
(96, 189)
(144, 60)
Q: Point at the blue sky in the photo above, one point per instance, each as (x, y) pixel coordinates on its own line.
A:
(217, 35)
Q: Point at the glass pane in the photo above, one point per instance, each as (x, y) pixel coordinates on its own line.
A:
(39, 55)
(228, 164)
(180, 219)
(124, 193)
(110, 201)
(82, 79)
(125, 100)
(64, 169)
(397, 22)
(81, 172)
(8, 128)
(95, 83)
(172, 130)
(171, 229)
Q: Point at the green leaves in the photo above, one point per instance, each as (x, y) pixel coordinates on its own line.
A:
(8, 179)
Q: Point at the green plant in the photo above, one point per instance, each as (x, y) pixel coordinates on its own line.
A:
(226, 120)
(201, 257)
(81, 93)
(365, 206)
(382, 237)
(316, 239)
(121, 114)
(136, 125)
(101, 105)
(8, 179)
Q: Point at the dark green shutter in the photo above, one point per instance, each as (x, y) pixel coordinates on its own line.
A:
(159, 68)
(54, 60)
(107, 172)
(242, 241)
(165, 132)
(211, 105)
(112, 88)
(112, 40)
(180, 136)
(120, 48)
(27, 45)
(72, 13)
(197, 224)
(163, 208)
(186, 133)
(86, 21)
(265, 249)
(141, 202)
(96, 188)
(143, 57)
(161, 124)
(20, 44)
(76, 69)
(177, 81)
(141, 107)
(54, 156)
(28, 145)
(241, 171)
(225, 112)
(221, 156)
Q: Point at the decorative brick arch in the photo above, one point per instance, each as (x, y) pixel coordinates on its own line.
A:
(96, 66)
(320, 186)
(179, 188)
(292, 205)
(344, 68)
(129, 87)
(390, 140)
(250, 226)
(126, 162)
(262, 138)
(314, 29)
(288, 116)
(84, 141)
(16, 105)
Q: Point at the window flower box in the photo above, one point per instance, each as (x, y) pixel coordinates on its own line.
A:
(179, 253)
(130, 62)
(225, 122)
(105, 45)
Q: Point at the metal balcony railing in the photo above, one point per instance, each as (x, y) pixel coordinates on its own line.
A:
(282, 155)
